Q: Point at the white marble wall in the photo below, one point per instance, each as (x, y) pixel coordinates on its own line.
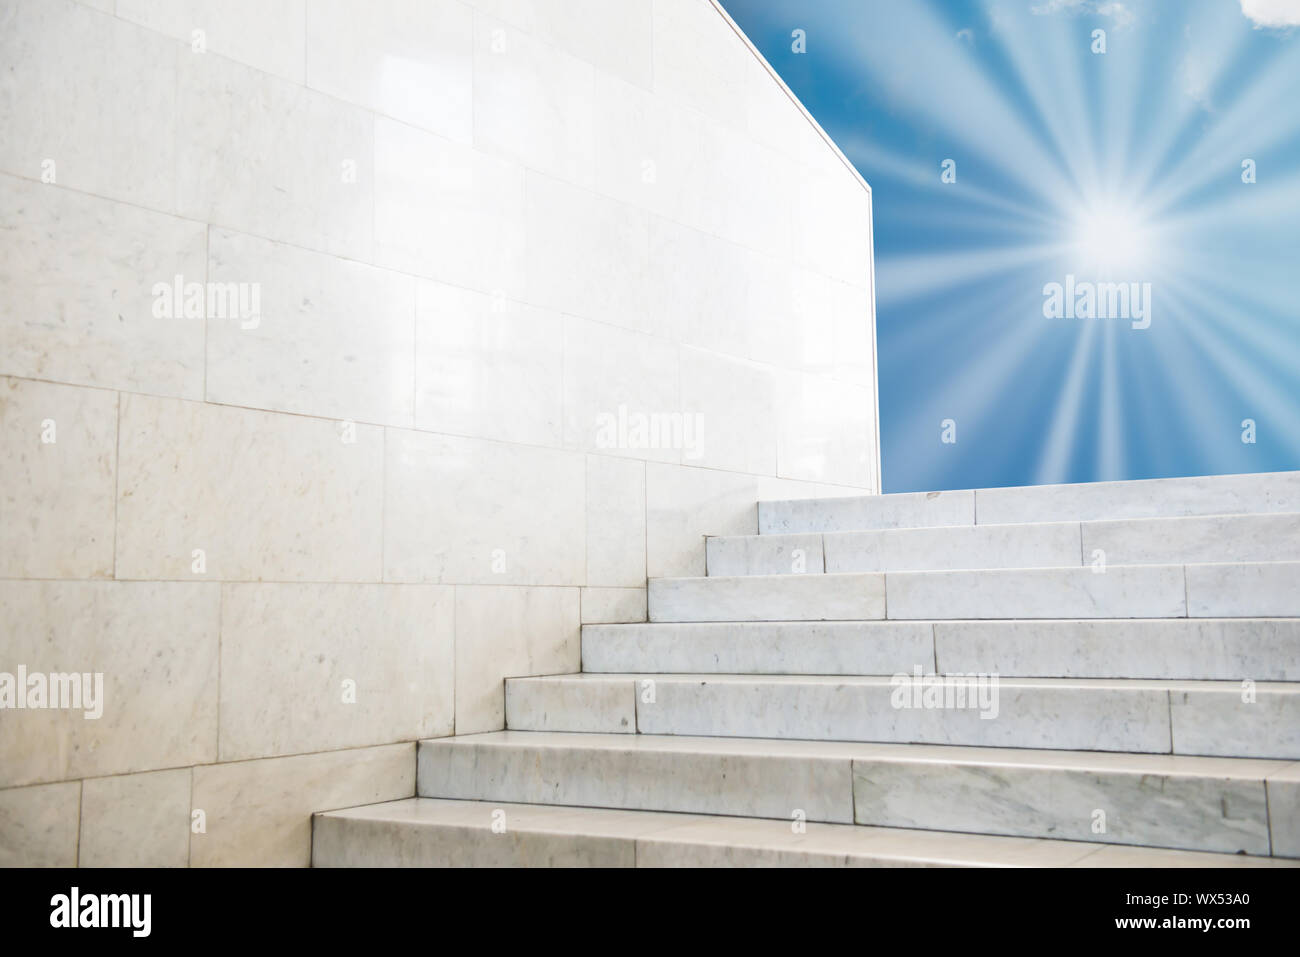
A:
(478, 229)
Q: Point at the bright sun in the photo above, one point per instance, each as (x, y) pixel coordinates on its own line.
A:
(1110, 240)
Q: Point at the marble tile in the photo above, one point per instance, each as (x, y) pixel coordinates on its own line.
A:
(266, 34)
(1216, 538)
(764, 555)
(622, 395)
(468, 511)
(755, 842)
(1158, 806)
(572, 703)
(136, 820)
(655, 154)
(504, 632)
(56, 497)
(258, 813)
(954, 548)
(116, 143)
(637, 772)
(1214, 719)
(348, 326)
(588, 255)
(858, 513)
(699, 61)
(819, 648)
(460, 834)
(532, 103)
(773, 489)
(1222, 649)
(832, 226)
(745, 170)
(269, 157)
(1117, 855)
(38, 825)
(155, 644)
(408, 59)
(735, 403)
(487, 367)
(600, 605)
(1133, 591)
(833, 321)
(683, 505)
(768, 598)
(263, 495)
(448, 212)
(825, 431)
(427, 832)
(614, 38)
(616, 522)
(79, 275)
(1244, 590)
(1153, 498)
(711, 293)
(373, 664)
(1024, 714)
(1284, 811)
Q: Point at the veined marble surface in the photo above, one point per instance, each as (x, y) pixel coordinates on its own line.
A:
(768, 598)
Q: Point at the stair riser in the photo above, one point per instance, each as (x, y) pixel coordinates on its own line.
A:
(1189, 811)
(910, 510)
(339, 842)
(1118, 591)
(1194, 813)
(1135, 591)
(746, 785)
(803, 597)
(781, 648)
(419, 832)
(1216, 539)
(1194, 649)
(1211, 722)
(1158, 498)
(1103, 501)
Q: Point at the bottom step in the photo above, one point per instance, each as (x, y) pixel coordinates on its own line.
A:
(428, 832)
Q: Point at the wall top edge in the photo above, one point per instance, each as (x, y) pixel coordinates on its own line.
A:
(726, 17)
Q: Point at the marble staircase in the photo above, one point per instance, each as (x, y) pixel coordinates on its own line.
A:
(1088, 675)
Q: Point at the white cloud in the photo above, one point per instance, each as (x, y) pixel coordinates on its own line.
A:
(1114, 9)
(1272, 13)
(966, 35)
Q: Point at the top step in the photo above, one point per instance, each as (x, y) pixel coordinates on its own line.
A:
(1150, 498)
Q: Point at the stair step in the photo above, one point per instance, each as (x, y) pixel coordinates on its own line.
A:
(1177, 801)
(1212, 539)
(1151, 498)
(1264, 589)
(1261, 649)
(762, 647)
(427, 832)
(1185, 717)
(767, 598)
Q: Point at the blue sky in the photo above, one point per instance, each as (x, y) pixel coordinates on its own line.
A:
(1119, 167)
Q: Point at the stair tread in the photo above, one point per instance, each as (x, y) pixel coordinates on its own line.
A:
(823, 843)
(993, 527)
(1132, 684)
(1109, 761)
(919, 572)
(1262, 479)
(844, 623)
